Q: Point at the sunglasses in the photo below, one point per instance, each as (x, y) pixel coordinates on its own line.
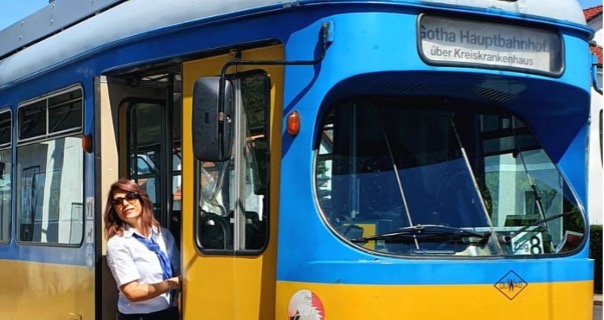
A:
(130, 197)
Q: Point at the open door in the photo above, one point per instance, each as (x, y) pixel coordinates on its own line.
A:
(138, 135)
(230, 220)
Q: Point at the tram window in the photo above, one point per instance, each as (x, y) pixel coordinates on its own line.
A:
(177, 164)
(249, 164)
(49, 196)
(50, 170)
(387, 167)
(65, 112)
(144, 147)
(5, 194)
(149, 160)
(32, 120)
(176, 180)
(5, 129)
(5, 175)
(57, 114)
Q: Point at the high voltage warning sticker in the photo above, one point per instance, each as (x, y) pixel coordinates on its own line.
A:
(511, 285)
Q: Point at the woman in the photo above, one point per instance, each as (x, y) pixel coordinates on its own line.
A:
(142, 255)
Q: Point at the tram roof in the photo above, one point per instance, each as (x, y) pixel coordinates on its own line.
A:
(68, 28)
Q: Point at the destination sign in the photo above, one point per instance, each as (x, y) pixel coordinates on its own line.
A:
(444, 40)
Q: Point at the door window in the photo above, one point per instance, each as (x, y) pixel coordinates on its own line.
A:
(232, 194)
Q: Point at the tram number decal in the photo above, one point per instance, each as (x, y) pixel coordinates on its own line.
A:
(527, 243)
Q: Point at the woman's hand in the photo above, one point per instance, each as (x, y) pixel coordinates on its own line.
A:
(174, 283)
(135, 291)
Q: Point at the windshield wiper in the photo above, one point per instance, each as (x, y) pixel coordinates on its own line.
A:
(507, 239)
(537, 222)
(534, 187)
(428, 231)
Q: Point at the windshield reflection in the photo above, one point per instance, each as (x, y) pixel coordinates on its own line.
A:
(383, 167)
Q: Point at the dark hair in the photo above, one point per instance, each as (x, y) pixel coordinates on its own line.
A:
(113, 224)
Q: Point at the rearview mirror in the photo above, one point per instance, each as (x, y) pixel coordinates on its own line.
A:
(213, 119)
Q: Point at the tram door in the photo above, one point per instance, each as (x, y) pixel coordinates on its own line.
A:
(140, 125)
(230, 207)
(152, 155)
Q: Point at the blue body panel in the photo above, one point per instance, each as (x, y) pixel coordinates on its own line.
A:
(369, 52)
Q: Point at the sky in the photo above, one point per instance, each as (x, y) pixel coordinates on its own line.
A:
(590, 3)
(14, 10)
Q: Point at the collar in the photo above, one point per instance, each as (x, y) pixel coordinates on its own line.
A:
(129, 232)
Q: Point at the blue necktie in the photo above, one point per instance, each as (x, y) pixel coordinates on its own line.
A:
(163, 258)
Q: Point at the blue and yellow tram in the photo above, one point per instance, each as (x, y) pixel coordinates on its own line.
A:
(394, 159)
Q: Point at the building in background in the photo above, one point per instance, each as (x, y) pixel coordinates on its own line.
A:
(593, 17)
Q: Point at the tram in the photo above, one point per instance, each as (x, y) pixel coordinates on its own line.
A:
(315, 159)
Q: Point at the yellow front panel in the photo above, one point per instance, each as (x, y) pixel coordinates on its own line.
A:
(549, 301)
(229, 287)
(45, 291)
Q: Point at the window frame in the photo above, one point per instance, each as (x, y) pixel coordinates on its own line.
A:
(75, 132)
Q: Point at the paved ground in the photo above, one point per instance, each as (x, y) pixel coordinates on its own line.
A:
(597, 307)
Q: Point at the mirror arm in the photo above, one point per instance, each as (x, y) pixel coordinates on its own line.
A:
(326, 39)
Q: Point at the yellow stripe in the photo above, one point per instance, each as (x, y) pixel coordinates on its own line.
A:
(45, 291)
(548, 301)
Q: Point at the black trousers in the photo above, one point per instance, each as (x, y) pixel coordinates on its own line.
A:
(168, 314)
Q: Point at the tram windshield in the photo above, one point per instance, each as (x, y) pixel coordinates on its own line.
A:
(407, 178)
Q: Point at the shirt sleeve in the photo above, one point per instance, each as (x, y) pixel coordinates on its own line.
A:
(120, 262)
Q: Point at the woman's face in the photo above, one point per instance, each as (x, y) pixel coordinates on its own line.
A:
(127, 205)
